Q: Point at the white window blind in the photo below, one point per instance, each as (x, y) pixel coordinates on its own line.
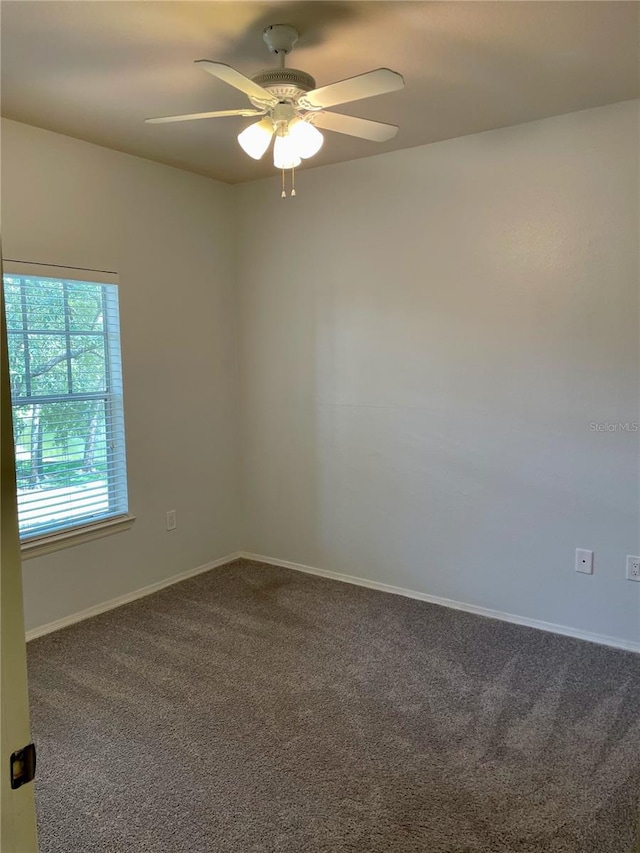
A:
(63, 336)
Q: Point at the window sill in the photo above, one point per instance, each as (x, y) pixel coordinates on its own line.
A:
(68, 538)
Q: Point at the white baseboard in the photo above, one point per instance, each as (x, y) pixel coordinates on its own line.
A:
(125, 599)
(601, 639)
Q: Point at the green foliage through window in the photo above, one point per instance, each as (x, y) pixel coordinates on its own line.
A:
(66, 387)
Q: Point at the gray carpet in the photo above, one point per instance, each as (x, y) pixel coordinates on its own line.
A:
(254, 709)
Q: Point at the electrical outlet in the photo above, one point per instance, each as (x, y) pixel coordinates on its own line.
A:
(584, 561)
(171, 520)
(633, 568)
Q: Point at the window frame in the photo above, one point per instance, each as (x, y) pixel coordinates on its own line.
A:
(74, 534)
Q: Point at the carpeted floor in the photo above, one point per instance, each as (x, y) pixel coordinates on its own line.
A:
(257, 710)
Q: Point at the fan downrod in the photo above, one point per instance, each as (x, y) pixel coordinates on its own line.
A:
(286, 84)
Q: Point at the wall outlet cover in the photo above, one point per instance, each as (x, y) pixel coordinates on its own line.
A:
(633, 568)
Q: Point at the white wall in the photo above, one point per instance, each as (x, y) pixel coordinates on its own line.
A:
(169, 234)
(426, 337)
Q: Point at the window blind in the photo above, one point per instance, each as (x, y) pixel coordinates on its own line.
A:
(65, 368)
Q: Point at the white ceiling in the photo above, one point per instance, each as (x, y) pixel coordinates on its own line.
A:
(96, 70)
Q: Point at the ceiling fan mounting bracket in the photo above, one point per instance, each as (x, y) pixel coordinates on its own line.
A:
(280, 38)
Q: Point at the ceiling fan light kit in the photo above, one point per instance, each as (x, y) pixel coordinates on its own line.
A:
(307, 139)
(285, 154)
(255, 139)
(290, 108)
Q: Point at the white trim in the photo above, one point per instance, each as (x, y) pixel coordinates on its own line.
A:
(125, 599)
(32, 269)
(601, 639)
(40, 545)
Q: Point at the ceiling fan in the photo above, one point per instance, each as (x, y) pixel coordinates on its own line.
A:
(292, 108)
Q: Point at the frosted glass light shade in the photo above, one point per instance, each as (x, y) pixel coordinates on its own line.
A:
(254, 140)
(306, 138)
(285, 155)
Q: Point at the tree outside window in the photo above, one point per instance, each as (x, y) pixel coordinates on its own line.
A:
(66, 388)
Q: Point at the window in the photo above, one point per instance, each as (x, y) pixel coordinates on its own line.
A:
(66, 390)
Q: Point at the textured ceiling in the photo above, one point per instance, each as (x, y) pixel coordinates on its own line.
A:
(96, 70)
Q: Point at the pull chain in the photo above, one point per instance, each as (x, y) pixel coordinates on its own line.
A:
(283, 193)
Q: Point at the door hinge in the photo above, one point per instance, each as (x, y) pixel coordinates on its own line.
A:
(23, 765)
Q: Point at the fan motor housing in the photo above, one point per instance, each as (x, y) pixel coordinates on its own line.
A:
(284, 83)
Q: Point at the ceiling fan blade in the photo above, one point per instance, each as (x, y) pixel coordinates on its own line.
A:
(216, 114)
(364, 128)
(234, 78)
(366, 85)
